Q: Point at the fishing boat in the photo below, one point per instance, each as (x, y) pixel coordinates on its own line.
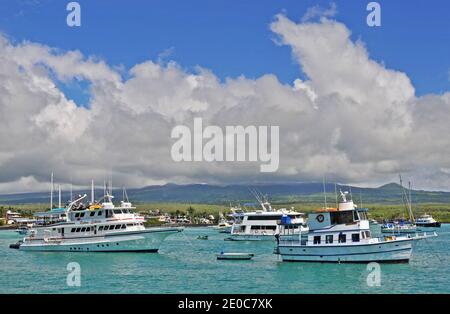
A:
(234, 256)
(264, 224)
(427, 221)
(98, 226)
(343, 235)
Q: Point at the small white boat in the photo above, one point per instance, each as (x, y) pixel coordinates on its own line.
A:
(223, 224)
(373, 222)
(427, 221)
(235, 256)
(22, 230)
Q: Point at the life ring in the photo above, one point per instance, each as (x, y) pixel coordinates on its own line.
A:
(320, 218)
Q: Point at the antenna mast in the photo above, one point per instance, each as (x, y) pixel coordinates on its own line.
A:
(324, 192)
(335, 194)
(51, 192)
(59, 196)
(92, 192)
(411, 215)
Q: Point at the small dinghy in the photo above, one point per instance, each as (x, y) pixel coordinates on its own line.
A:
(235, 256)
(202, 237)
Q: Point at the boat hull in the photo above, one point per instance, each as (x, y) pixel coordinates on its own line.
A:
(145, 241)
(387, 252)
(251, 237)
(430, 225)
(235, 256)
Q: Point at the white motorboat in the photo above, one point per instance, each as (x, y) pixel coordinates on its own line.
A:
(223, 225)
(427, 221)
(97, 227)
(22, 230)
(343, 235)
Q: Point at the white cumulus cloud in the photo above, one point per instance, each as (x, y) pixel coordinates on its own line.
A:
(351, 119)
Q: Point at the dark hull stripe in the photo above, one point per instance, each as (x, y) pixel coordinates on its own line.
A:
(348, 254)
(91, 251)
(435, 224)
(394, 261)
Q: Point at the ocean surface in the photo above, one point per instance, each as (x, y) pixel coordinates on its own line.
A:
(187, 265)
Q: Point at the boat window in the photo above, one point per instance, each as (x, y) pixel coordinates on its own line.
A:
(355, 215)
(263, 217)
(123, 226)
(81, 214)
(78, 229)
(99, 213)
(88, 229)
(100, 228)
(83, 229)
(77, 215)
(342, 238)
(106, 227)
(329, 238)
(259, 227)
(130, 225)
(92, 214)
(73, 230)
(343, 217)
(367, 234)
(355, 237)
(117, 227)
(316, 239)
(117, 211)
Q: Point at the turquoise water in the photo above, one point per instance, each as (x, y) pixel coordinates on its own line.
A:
(188, 265)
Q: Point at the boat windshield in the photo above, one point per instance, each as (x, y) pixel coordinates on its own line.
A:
(343, 217)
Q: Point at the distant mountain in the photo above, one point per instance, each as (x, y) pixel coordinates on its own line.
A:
(277, 192)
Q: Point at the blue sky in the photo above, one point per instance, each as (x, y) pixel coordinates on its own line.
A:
(232, 37)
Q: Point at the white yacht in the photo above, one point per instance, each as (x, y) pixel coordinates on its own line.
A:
(427, 221)
(97, 227)
(343, 235)
(265, 224)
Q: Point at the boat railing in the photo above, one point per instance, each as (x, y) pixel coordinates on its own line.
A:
(292, 241)
(423, 235)
(413, 236)
(53, 239)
